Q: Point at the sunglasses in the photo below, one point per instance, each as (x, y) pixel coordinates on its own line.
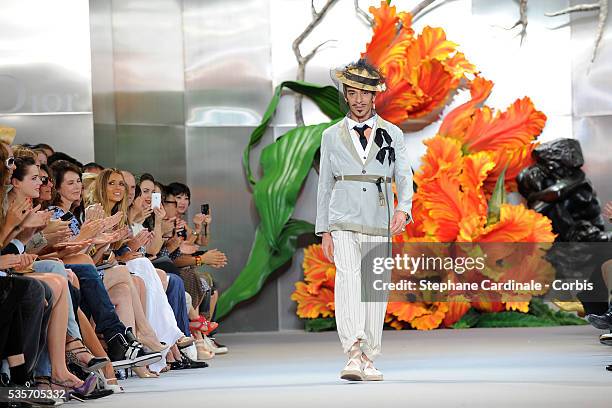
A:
(45, 180)
(9, 162)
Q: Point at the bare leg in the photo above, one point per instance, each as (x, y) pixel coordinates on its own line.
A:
(213, 303)
(163, 276)
(142, 292)
(56, 332)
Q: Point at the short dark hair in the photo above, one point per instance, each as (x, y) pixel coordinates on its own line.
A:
(177, 188)
(44, 146)
(93, 165)
(63, 156)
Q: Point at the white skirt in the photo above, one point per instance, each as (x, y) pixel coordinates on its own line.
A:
(159, 313)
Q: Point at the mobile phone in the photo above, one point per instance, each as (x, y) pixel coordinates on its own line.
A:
(67, 217)
(182, 233)
(155, 200)
(205, 208)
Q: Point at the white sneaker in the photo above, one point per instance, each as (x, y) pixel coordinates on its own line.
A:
(369, 371)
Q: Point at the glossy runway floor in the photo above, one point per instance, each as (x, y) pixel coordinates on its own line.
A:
(519, 367)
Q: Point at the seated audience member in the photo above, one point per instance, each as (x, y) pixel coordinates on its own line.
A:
(93, 168)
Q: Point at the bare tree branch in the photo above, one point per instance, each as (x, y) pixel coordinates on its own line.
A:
(420, 7)
(602, 6)
(363, 14)
(317, 17)
(522, 21)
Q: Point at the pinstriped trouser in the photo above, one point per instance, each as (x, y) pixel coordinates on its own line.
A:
(357, 319)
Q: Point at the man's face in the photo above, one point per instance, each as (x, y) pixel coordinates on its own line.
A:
(360, 102)
(131, 185)
(170, 206)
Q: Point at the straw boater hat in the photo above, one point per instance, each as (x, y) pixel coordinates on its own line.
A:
(7, 135)
(361, 75)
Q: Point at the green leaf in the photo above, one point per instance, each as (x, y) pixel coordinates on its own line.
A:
(497, 199)
(327, 98)
(513, 319)
(468, 320)
(261, 263)
(538, 308)
(320, 324)
(285, 165)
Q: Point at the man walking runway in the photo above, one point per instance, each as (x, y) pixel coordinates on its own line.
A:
(360, 156)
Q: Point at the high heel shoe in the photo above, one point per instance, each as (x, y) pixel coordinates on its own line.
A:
(204, 351)
(85, 389)
(154, 345)
(184, 342)
(92, 365)
(200, 324)
(143, 372)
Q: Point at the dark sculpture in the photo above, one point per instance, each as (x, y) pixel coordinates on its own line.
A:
(556, 187)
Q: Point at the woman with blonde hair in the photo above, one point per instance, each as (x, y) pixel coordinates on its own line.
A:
(110, 191)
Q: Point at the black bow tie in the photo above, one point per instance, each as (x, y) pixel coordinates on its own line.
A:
(383, 135)
(361, 132)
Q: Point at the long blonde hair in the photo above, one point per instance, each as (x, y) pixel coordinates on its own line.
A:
(98, 194)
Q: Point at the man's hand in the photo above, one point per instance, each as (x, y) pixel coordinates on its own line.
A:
(328, 246)
(214, 258)
(398, 223)
(168, 226)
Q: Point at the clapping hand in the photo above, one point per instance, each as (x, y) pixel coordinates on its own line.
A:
(143, 238)
(25, 262)
(94, 212)
(9, 261)
(18, 211)
(214, 258)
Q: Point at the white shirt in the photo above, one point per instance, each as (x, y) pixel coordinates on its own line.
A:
(350, 124)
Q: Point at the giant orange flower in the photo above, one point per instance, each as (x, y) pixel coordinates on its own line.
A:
(422, 72)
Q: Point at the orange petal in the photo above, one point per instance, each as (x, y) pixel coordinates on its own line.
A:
(519, 224)
(522, 307)
(430, 44)
(435, 83)
(514, 161)
(514, 128)
(445, 207)
(443, 155)
(318, 270)
(456, 310)
(456, 122)
(312, 306)
(387, 43)
(431, 320)
(406, 311)
(476, 168)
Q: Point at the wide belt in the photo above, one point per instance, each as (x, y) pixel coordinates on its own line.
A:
(365, 178)
(368, 178)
